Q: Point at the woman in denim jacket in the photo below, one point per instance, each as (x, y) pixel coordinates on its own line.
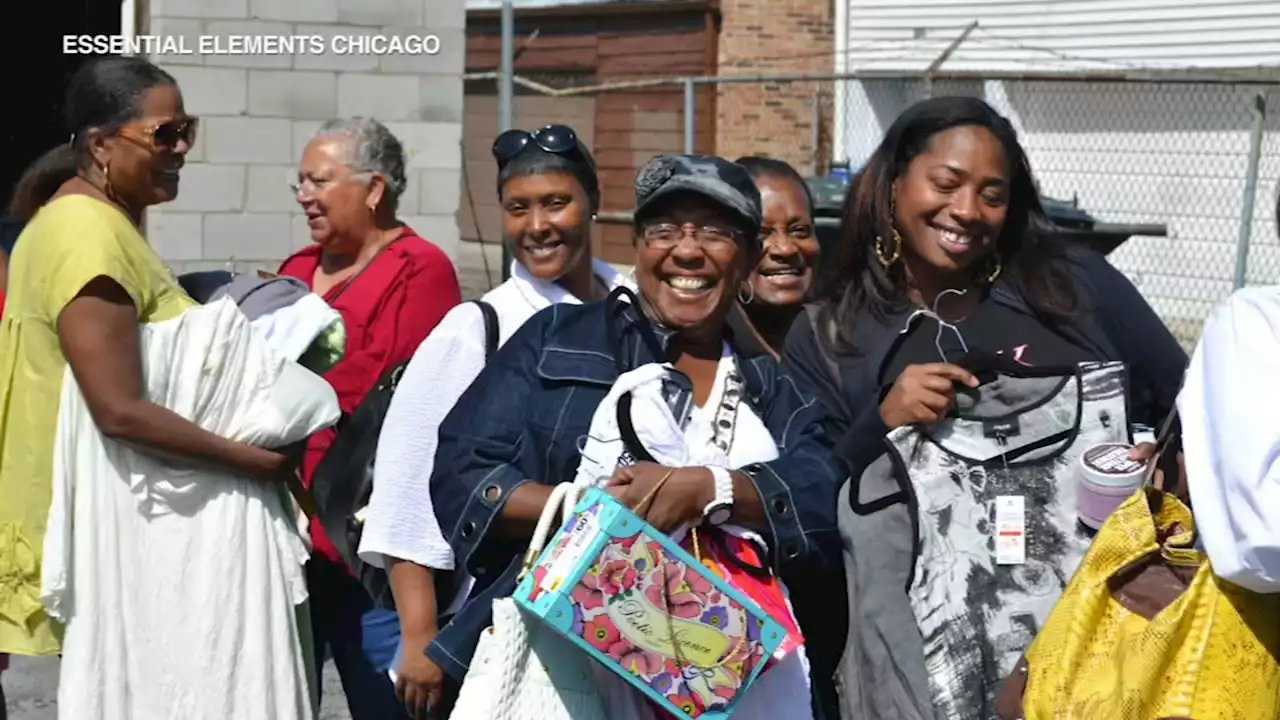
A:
(520, 428)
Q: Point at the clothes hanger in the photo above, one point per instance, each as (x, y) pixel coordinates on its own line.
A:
(942, 324)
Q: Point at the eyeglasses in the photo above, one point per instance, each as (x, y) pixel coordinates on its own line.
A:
(312, 185)
(665, 236)
(169, 133)
(556, 139)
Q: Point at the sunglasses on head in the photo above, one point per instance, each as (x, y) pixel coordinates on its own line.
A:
(555, 139)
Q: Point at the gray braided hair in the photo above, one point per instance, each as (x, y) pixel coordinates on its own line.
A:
(374, 149)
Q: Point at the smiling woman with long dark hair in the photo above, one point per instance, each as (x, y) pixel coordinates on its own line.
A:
(945, 217)
(946, 255)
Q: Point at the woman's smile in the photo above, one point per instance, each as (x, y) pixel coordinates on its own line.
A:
(690, 285)
(956, 242)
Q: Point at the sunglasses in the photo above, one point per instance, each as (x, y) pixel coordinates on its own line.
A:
(171, 132)
(555, 139)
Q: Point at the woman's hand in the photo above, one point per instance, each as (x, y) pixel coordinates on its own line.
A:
(923, 394)
(1145, 453)
(419, 681)
(681, 499)
(276, 466)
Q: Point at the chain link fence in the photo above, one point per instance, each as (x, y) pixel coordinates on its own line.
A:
(1183, 173)
(1200, 158)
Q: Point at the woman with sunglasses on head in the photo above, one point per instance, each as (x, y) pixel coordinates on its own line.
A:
(734, 450)
(549, 193)
(779, 284)
(83, 283)
(391, 288)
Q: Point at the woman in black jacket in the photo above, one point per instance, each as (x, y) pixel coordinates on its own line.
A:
(945, 218)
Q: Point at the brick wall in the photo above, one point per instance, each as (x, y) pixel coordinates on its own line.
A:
(258, 111)
(774, 37)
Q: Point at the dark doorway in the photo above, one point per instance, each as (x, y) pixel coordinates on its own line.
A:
(38, 72)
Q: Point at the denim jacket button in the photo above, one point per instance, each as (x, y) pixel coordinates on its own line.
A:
(781, 507)
(468, 529)
(492, 493)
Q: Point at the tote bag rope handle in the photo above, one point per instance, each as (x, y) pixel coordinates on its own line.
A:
(564, 497)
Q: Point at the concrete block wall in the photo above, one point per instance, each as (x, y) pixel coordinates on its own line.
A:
(774, 37)
(259, 110)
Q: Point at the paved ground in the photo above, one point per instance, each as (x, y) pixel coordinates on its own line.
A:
(31, 689)
(31, 684)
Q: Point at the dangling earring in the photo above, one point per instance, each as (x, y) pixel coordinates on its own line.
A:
(106, 180)
(897, 240)
(995, 272)
(751, 296)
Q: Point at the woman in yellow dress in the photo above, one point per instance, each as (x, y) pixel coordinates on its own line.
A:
(81, 279)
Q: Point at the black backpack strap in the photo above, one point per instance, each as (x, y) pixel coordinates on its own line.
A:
(615, 307)
(490, 327)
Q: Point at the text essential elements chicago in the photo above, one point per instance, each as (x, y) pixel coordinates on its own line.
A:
(251, 45)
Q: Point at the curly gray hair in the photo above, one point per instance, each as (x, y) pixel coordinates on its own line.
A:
(374, 149)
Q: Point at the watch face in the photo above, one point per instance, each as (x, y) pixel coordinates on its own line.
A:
(720, 515)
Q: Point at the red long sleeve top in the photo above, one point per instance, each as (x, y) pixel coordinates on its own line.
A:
(389, 308)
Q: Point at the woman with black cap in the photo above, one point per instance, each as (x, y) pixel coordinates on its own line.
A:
(730, 449)
(549, 194)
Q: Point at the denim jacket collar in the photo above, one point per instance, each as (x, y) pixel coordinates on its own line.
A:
(579, 354)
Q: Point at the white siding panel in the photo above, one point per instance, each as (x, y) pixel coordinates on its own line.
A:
(1016, 35)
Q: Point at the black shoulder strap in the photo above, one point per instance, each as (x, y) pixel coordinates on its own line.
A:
(490, 327)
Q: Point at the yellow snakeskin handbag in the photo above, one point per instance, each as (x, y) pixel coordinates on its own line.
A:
(1146, 631)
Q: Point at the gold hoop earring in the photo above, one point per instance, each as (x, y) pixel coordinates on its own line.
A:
(750, 297)
(897, 248)
(995, 272)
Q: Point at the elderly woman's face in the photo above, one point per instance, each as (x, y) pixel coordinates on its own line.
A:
(339, 203)
(546, 222)
(953, 198)
(690, 262)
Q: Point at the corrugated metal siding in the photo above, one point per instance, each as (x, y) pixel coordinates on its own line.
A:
(1018, 35)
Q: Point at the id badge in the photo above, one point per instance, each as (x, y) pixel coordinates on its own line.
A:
(1011, 530)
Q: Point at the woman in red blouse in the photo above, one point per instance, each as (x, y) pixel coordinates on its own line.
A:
(391, 287)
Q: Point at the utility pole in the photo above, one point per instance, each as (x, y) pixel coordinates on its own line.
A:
(506, 92)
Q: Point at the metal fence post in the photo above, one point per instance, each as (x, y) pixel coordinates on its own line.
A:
(1250, 190)
(690, 115)
(506, 100)
(817, 132)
